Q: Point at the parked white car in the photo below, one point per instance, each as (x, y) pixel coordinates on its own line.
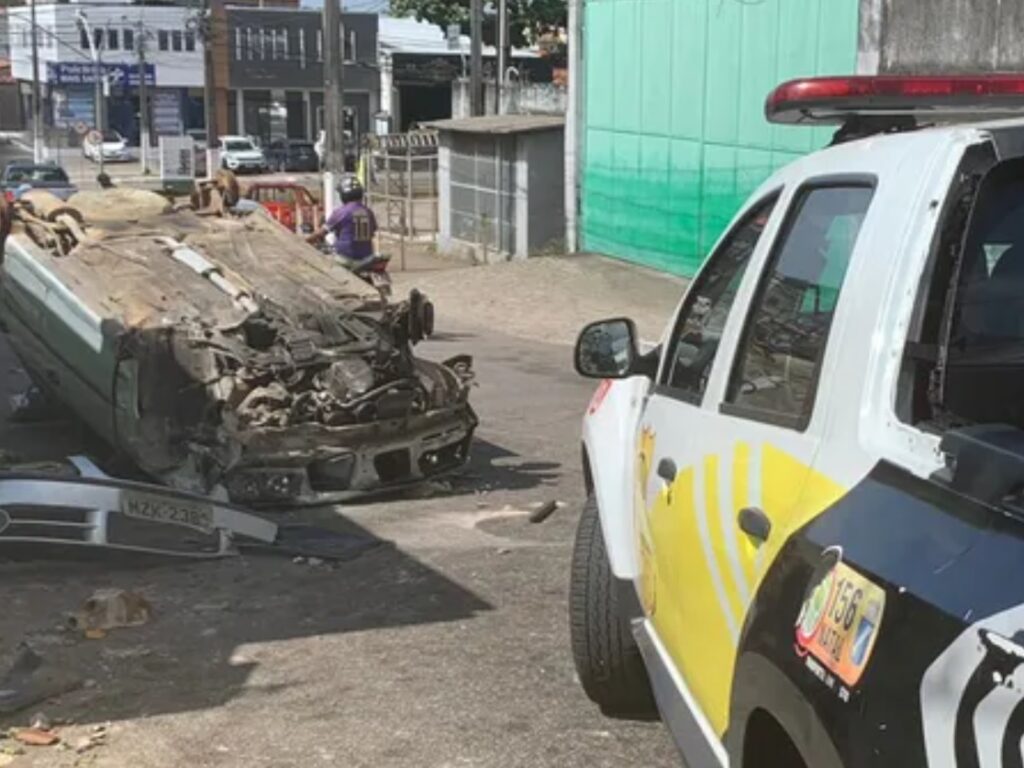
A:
(240, 154)
(113, 146)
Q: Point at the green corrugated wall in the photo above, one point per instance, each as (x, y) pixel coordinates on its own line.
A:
(673, 129)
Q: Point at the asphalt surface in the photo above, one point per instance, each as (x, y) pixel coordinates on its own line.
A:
(448, 647)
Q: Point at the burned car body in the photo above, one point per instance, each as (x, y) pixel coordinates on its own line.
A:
(219, 350)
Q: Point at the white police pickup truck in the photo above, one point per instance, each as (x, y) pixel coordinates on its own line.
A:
(805, 525)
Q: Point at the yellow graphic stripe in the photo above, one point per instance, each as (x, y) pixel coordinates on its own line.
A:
(734, 603)
(689, 619)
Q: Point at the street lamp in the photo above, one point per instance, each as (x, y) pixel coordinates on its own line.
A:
(83, 22)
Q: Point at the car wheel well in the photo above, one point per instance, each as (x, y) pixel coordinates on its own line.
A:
(765, 739)
(588, 476)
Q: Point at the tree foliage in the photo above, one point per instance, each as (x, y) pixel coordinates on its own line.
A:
(527, 19)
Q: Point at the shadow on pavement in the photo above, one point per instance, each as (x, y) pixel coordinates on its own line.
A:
(202, 648)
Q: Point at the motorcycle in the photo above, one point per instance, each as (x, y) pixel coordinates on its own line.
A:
(372, 270)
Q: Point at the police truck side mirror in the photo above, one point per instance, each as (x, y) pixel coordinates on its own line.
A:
(607, 349)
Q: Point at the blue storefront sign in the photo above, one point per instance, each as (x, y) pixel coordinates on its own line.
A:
(84, 73)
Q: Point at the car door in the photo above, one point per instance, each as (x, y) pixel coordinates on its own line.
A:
(727, 440)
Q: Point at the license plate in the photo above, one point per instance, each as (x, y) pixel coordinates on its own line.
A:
(166, 509)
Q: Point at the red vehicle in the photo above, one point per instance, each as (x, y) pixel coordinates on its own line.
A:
(290, 204)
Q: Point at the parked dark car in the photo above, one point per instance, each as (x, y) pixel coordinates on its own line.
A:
(48, 176)
(292, 155)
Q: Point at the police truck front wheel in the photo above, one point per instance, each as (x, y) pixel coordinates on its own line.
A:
(608, 661)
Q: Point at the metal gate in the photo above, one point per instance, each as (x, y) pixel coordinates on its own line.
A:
(400, 176)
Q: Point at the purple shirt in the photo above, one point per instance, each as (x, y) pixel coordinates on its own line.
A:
(354, 226)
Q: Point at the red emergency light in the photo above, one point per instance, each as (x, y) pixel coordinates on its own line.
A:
(934, 98)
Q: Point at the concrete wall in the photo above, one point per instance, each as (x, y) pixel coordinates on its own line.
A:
(517, 98)
(939, 36)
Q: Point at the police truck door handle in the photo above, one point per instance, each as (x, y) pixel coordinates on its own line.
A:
(667, 470)
(755, 523)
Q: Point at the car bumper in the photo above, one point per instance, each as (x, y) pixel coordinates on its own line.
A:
(245, 165)
(301, 466)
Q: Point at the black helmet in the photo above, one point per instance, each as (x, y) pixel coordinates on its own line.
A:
(349, 189)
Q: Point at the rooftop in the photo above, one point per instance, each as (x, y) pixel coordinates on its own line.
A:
(500, 124)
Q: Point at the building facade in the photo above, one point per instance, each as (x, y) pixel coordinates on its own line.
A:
(672, 131)
(275, 72)
(159, 43)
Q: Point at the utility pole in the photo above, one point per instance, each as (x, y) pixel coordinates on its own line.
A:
(502, 56)
(83, 21)
(476, 33)
(334, 101)
(140, 41)
(209, 36)
(37, 110)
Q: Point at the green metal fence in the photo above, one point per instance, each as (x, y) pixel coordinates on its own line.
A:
(673, 129)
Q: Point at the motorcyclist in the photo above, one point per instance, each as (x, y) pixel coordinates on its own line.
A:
(352, 223)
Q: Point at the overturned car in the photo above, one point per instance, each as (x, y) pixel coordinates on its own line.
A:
(218, 351)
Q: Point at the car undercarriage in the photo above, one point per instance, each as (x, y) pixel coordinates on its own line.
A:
(221, 353)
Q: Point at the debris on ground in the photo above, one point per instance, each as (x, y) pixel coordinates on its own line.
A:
(31, 680)
(40, 722)
(544, 511)
(111, 609)
(96, 738)
(36, 737)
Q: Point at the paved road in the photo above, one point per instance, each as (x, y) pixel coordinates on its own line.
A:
(450, 649)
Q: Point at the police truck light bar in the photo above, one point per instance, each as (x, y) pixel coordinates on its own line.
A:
(940, 98)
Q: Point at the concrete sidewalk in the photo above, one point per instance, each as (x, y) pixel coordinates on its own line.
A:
(543, 299)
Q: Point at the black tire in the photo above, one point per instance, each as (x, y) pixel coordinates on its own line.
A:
(608, 661)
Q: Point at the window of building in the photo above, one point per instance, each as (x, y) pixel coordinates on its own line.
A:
(350, 43)
(238, 43)
(128, 38)
(163, 40)
(283, 32)
(775, 376)
(319, 45)
(302, 48)
(113, 40)
(250, 43)
(701, 321)
(190, 40)
(176, 41)
(97, 38)
(263, 43)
